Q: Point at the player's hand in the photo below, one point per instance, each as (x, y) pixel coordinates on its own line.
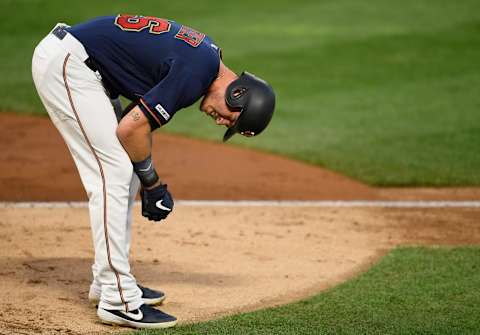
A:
(157, 202)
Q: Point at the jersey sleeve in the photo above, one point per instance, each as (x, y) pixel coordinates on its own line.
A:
(178, 89)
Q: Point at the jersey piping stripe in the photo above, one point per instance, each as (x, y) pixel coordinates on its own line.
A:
(150, 111)
(102, 174)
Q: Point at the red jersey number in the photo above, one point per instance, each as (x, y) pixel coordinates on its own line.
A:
(139, 23)
(158, 26)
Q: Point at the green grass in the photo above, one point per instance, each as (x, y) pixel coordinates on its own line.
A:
(383, 91)
(411, 291)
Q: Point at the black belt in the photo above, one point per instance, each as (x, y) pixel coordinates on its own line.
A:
(60, 33)
(89, 62)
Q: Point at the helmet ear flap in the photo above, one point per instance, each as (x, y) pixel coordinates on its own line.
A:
(237, 94)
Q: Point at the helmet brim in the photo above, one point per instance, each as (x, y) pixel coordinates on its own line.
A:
(229, 133)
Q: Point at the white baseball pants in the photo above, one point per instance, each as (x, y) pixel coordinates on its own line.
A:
(79, 108)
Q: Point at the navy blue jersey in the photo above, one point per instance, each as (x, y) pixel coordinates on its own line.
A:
(163, 65)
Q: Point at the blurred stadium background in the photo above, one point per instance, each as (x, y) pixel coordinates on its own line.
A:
(386, 92)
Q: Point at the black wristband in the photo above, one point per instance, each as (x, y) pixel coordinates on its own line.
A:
(146, 172)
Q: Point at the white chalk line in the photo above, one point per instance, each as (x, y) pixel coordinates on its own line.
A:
(274, 203)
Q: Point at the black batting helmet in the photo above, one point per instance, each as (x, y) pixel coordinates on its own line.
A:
(255, 100)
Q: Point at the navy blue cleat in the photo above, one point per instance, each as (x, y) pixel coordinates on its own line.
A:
(143, 317)
(149, 296)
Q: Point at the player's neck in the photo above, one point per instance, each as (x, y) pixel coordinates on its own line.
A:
(224, 78)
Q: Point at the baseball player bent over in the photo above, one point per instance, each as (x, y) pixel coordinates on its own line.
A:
(162, 67)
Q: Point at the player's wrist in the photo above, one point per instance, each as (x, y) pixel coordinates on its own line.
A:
(158, 183)
(146, 173)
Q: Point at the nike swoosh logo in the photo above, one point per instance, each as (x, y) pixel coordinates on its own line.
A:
(137, 316)
(159, 205)
(148, 168)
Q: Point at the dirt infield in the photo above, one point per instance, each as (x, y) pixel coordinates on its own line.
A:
(211, 261)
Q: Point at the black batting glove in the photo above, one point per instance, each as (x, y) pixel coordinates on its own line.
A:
(157, 203)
